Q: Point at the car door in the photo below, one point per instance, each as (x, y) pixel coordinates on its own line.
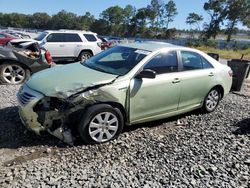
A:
(54, 43)
(72, 44)
(150, 98)
(196, 79)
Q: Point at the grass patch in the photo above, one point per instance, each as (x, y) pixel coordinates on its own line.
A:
(226, 54)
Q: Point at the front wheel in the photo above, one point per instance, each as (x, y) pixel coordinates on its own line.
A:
(13, 73)
(212, 100)
(101, 123)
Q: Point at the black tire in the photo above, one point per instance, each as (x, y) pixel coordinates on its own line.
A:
(88, 118)
(84, 56)
(13, 73)
(211, 100)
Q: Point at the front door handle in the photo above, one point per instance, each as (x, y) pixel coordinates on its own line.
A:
(176, 80)
(61, 45)
(211, 74)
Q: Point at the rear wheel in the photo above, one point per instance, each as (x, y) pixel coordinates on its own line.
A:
(101, 123)
(212, 100)
(13, 73)
(84, 56)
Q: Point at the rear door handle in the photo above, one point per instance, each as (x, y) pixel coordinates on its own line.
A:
(211, 74)
(61, 45)
(176, 80)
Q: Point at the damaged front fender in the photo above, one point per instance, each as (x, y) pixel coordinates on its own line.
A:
(53, 114)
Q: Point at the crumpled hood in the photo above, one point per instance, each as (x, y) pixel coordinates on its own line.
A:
(66, 80)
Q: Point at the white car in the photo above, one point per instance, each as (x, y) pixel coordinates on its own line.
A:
(68, 44)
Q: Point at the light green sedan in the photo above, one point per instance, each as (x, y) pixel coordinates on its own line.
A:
(125, 85)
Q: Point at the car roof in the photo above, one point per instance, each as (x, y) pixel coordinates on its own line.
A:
(155, 46)
(150, 46)
(70, 31)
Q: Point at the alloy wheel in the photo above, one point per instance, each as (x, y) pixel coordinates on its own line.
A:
(103, 127)
(212, 100)
(85, 56)
(13, 74)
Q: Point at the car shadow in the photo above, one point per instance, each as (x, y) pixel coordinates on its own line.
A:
(167, 121)
(243, 127)
(14, 135)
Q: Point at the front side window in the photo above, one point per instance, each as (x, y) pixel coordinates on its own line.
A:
(2, 36)
(55, 37)
(72, 37)
(163, 63)
(118, 60)
(90, 37)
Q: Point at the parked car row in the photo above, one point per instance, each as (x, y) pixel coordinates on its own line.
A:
(68, 45)
(62, 45)
(18, 62)
(5, 38)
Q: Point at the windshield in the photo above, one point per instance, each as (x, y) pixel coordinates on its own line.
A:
(118, 60)
(41, 36)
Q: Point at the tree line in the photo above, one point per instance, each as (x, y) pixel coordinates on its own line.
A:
(151, 21)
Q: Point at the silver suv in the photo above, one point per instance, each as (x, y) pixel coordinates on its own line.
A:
(69, 44)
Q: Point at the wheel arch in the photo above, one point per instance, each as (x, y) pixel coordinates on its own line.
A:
(220, 88)
(2, 61)
(86, 50)
(116, 105)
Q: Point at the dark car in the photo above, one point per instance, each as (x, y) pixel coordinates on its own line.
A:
(18, 62)
(4, 38)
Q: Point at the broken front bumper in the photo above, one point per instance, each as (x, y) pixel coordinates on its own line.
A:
(27, 99)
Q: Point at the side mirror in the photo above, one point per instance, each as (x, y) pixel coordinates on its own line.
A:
(146, 73)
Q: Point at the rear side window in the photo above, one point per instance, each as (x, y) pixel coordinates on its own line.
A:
(163, 63)
(191, 61)
(2, 36)
(55, 37)
(90, 38)
(206, 64)
(72, 37)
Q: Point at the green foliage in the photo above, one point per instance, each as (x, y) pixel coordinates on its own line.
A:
(170, 12)
(40, 20)
(231, 11)
(199, 43)
(194, 19)
(217, 11)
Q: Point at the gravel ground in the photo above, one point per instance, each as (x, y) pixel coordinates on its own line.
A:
(192, 150)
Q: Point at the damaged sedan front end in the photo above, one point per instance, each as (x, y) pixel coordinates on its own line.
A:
(55, 103)
(56, 115)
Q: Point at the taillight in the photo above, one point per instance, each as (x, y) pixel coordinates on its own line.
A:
(48, 57)
(230, 73)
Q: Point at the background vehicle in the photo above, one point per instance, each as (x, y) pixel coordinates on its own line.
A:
(17, 63)
(69, 44)
(124, 85)
(105, 43)
(4, 38)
